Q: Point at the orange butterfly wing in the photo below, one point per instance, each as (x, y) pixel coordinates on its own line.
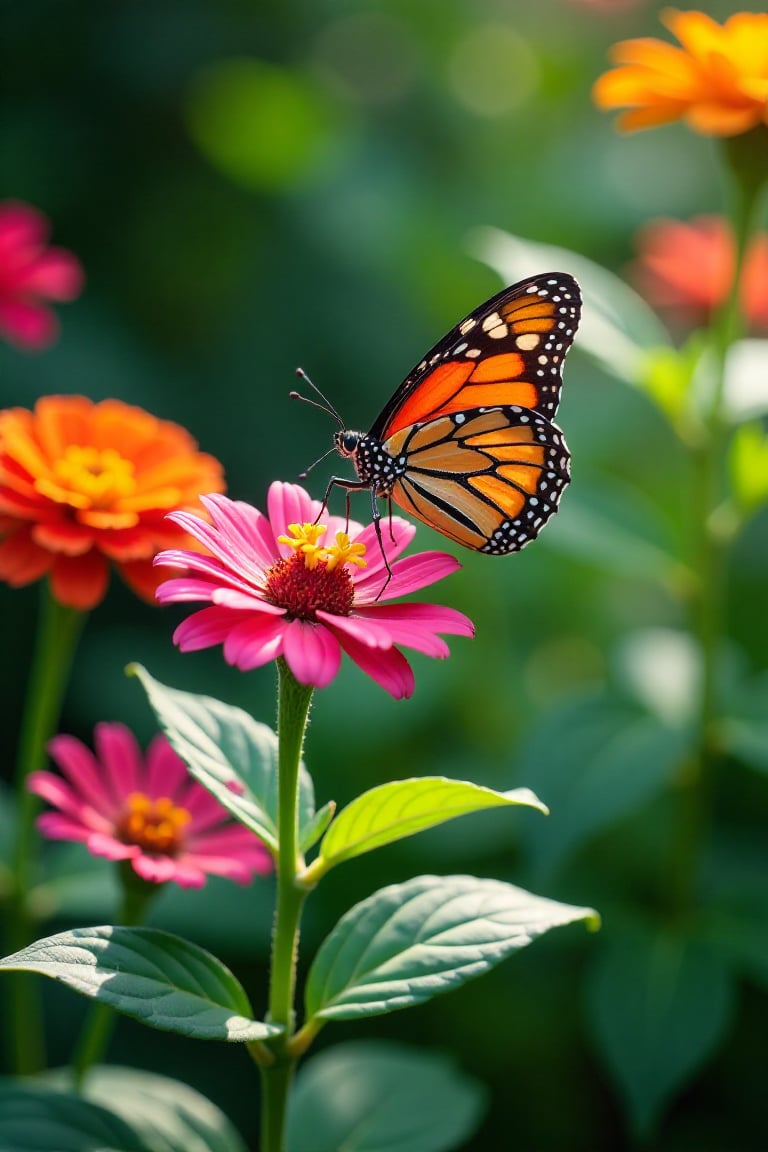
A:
(509, 351)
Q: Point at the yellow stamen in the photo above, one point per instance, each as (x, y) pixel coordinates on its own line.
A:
(342, 552)
(88, 477)
(303, 540)
(157, 825)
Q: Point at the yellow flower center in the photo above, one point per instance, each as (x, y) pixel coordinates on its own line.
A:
(89, 477)
(316, 576)
(155, 825)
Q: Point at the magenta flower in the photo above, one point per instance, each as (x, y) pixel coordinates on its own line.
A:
(145, 809)
(30, 274)
(285, 585)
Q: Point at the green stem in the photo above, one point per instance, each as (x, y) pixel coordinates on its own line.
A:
(292, 713)
(100, 1021)
(710, 562)
(57, 635)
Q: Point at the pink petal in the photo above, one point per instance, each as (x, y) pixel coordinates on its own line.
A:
(118, 750)
(32, 326)
(204, 810)
(183, 589)
(408, 575)
(217, 572)
(243, 602)
(166, 772)
(58, 827)
(207, 628)
(244, 527)
(311, 652)
(238, 870)
(55, 274)
(362, 629)
(21, 226)
(112, 848)
(84, 772)
(254, 642)
(388, 667)
(62, 796)
(429, 617)
(161, 869)
(229, 840)
(239, 568)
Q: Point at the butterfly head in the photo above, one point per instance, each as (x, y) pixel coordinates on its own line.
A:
(346, 443)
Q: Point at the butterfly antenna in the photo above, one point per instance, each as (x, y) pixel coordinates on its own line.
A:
(303, 475)
(326, 405)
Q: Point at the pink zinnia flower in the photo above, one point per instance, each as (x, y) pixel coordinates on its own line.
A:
(286, 585)
(31, 273)
(145, 809)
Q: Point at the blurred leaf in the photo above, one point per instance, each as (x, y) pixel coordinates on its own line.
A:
(159, 979)
(403, 807)
(611, 527)
(749, 466)
(618, 328)
(168, 1115)
(317, 826)
(412, 941)
(733, 919)
(661, 668)
(37, 1118)
(658, 1005)
(374, 1096)
(667, 375)
(744, 730)
(232, 755)
(7, 838)
(596, 760)
(74, 881)
(265, 126)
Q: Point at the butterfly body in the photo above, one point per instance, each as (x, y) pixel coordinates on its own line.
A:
(467, 443)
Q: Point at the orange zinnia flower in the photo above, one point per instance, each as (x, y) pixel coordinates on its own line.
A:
(85, 484)
(717, 81)
(688, 267)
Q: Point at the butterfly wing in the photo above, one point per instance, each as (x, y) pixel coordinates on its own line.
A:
(509, 351)
(487, 478)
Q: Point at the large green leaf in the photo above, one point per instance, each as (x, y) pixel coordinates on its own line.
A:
(160, 979)
(403, 807)
(596, 760)
(373, 1096)
(411, 941)
(169, 1115)
(658, 1005)
(230, 754)
(39, 1118)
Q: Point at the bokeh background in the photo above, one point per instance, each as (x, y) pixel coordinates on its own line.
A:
(253, 186)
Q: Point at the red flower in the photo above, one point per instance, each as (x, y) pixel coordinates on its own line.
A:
(84, 485)
(30, 274)
(688, 267)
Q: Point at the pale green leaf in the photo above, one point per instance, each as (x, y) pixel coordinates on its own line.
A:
(232, 755)
(410, 942)
(404, 807)
(374, 1096)
(162, 980)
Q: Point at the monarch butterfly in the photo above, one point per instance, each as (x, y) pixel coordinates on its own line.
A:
(467, 444)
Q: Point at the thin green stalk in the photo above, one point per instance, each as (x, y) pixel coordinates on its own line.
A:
(100, 1022)
(710, 562)
(292, 713)
(58, 631)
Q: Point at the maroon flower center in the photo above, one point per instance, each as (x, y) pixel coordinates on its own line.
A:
(302, 590)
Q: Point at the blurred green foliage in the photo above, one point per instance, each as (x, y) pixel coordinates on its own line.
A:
(256, 186)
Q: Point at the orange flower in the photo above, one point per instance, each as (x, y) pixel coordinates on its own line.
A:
(717, 81)
(689, 266)
(85, 484)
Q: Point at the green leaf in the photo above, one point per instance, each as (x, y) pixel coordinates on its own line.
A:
(169, 1115)
(157, 978)
(409, 942)
(617, 329)
(7, 839)
(658, 1006)
(596, 760)
(744, 731)
(317, 826)
(38, 1118)
(374, 1096)
(404, 807)
(749, 466)
(232, 755)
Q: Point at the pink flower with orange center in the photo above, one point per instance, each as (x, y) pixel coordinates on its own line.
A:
(688, 267)
(287, 585)
(716, 81)
(31, 274)
(144, 809)
(84, 486)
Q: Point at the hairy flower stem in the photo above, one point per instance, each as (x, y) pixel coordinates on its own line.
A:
(57, 635)
(292, 713)
(710, 560)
